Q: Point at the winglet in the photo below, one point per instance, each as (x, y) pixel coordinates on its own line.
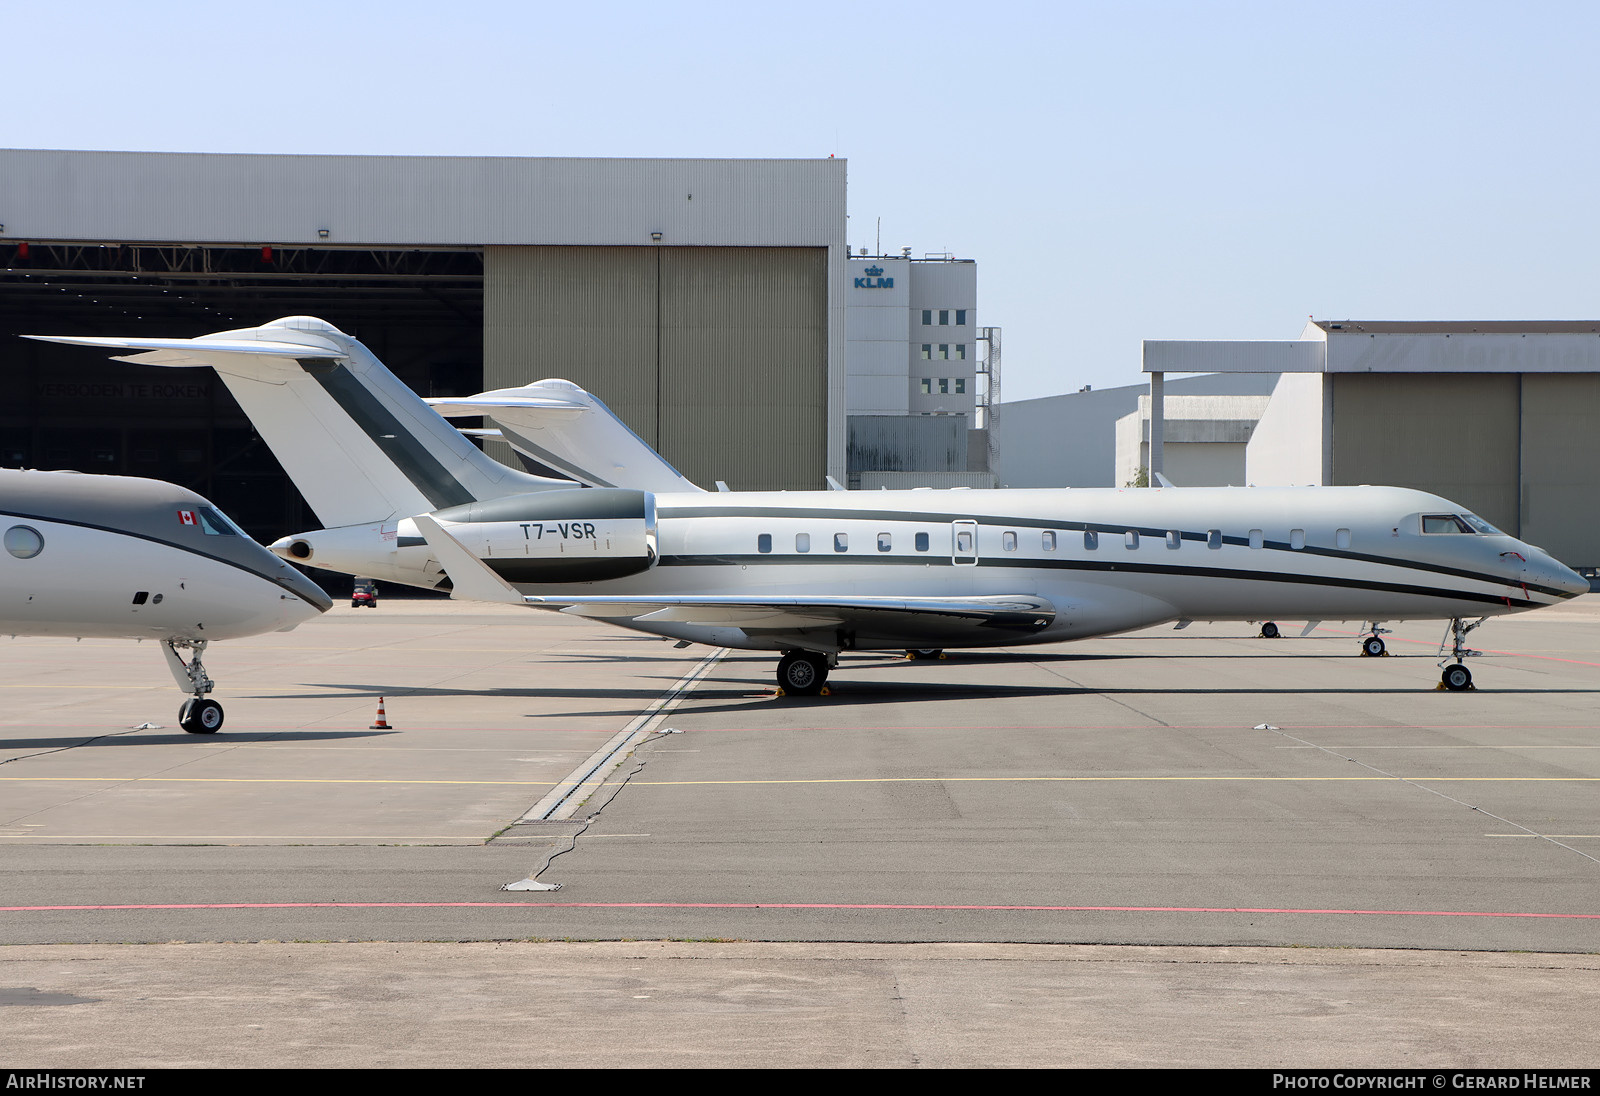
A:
(470, 578)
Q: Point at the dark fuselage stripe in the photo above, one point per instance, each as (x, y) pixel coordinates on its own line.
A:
(1098, 566)
(274, 579)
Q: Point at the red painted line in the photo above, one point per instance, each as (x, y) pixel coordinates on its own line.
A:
(784, 906)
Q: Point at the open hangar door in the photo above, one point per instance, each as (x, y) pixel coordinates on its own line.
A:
(63, 407)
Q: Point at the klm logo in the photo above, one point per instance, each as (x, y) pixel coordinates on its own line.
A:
(874, 279)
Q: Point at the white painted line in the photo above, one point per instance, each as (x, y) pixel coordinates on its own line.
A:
(566, 797)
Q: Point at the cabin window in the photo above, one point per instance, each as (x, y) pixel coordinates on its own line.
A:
(764, 542)
(1480, 526)
(922, 542)
(1174, 539)
(964, 542)
(1341, 538)
(1257, 538)
(24, 541)
(1091, 540)
(141, 597)
(1297, 538)
(1130, 539)
(1214, 539)
(1008, 541)
(1444, 523)
(1047, 540)
(885, 542)
(841, 542)
(802, 542)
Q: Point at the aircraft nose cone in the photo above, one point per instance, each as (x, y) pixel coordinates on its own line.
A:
(1569, 581)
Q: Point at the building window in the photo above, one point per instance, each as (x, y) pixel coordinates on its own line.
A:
(1214, 539)
(1047, 540)
(961, 352)
(841, 542)
(885, 542)
(927, 351)
(961, 317)
(1091, 540)
(1130, 539)
(944, 386)
(927, 386)
(1008, 541)
(961, 386)
(922, 542)
(764, 542)
(1174, 539)
(944, 352)
(927, 317)
(802, 542)
(1257, 538)
(944, 317)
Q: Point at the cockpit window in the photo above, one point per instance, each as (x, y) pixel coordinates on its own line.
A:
(1457, 523)
(214, 524)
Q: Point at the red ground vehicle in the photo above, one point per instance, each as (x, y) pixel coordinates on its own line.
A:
(365, 593)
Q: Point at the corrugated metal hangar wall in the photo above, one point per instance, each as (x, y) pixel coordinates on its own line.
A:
(1520, 449)
(716, 356)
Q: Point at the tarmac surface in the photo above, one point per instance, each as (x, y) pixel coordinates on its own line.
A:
(1166, 848)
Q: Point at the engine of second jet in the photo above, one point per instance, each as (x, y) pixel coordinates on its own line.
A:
(559, 536)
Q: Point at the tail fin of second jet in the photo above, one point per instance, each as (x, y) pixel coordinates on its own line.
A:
(558, 425)
(359, 444)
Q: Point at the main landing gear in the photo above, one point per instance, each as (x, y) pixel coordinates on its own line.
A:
(1269, 630)
(803, 673)
(925, 654)
(1456, 677)
(197, 715)
(1372, 645)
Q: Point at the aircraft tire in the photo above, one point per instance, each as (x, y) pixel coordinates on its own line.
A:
(927, 654)
(1269, 630)
(801, 673)
(200, 716)
(1456, 678)
(1372, 647)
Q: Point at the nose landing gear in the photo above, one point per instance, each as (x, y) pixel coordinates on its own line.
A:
(197, 715)
(1456, 677)
(1372, 645)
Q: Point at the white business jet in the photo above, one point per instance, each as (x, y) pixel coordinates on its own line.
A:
(122, 558)
(810, 574)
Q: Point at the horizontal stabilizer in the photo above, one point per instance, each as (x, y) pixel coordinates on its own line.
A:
(360, 445)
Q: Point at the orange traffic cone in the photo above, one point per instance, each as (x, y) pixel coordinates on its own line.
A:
(381, 724)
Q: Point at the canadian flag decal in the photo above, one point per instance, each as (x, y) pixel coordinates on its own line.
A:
(185, 517)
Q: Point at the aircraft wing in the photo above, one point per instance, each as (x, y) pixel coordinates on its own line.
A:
(918, 618)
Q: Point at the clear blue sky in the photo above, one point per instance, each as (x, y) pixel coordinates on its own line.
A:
(1121, 171)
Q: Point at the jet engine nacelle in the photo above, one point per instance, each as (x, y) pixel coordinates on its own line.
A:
(559, 536)
(543, 537)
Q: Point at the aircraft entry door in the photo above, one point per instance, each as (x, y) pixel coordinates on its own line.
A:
(964, 543)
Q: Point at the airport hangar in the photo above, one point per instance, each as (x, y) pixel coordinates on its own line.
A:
(1499, 416)
(701, 299)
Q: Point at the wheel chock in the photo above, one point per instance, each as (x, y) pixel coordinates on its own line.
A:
(824, 691)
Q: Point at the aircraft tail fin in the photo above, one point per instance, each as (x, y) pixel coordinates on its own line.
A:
(557, 425)
(361, 446)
